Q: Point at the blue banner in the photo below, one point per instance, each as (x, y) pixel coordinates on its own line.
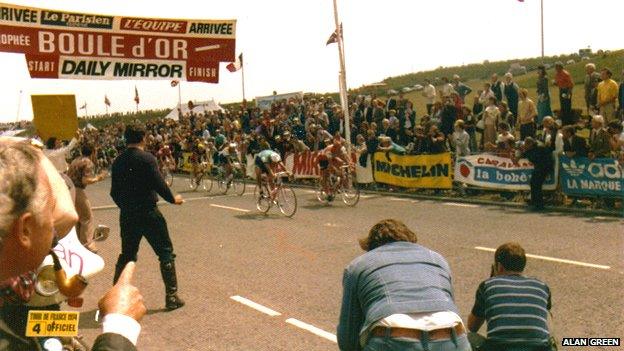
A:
(597, 177)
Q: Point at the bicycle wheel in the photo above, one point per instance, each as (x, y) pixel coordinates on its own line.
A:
(238, 182)
(221, 182)
(263, 203)
(319, 192)
(167, 175)
(192, 181)
(287, 201)
(349, 192)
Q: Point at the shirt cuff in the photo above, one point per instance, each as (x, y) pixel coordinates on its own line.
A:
(123, 325)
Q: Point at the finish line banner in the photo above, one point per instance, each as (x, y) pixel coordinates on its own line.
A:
(70, 45)
(488, 171)
(409, 171)
(597, 177)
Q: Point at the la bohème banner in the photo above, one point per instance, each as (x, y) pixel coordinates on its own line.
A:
(597, 177)
(72, 45)
(414, 171)
(488, 171)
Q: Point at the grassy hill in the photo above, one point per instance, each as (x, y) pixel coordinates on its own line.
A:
(476, 74)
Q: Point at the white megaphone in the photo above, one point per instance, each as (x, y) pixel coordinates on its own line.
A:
(64, 272)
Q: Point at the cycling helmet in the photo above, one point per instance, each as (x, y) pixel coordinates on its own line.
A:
(275, 158)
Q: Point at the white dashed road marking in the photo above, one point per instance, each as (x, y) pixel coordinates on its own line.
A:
(255, 306)
(553, 259)
(460, 204)
(230, 208)
(312, 329)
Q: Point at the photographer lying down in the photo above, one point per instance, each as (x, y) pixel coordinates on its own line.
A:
(35, 206)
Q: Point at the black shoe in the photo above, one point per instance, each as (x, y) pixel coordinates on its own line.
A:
(173, 302)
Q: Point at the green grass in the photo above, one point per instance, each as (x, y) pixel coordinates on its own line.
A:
(476, 75)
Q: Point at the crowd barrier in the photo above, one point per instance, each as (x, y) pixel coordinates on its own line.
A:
(579, 176)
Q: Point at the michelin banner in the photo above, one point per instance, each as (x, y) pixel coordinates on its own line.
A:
(488, 171)
(598, 177)
(420, 171)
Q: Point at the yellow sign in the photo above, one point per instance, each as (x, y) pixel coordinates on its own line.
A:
(414, 171)
(52, 323)
(55, 116)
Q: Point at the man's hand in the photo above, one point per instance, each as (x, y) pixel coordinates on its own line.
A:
(178, 200)
(124, 298)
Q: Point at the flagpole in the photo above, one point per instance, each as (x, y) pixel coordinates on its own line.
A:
(86, 111)
(243, 79)
(19, 106)
(343, 82)
(542, 20)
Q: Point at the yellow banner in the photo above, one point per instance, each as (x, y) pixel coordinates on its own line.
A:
(55, 116)
(414, 171)
(52, 323)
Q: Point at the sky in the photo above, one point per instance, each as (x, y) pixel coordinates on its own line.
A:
(283, 42)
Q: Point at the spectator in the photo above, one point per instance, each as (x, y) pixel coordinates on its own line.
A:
(497, 87)
(599, 146)
(462, 89)
(511, 91)
(573, 145)
(621, 96)
(34, 205)
(607, 95)
(429, 92)
(449, 115)
(461, 140)
(58, 154)
(388, 146)
(81, 172)
(506, 115)
(398, 296)
(526, 115)
(436, 141)
(592, 78)
(446, 89)
(543, 95)
(419, 143)
(563, 80)
(486, 94)
(477, 105)
(550, 136)
(470, 121)
(491, 118)
(543, 165)
(515, 307)
(616, 140)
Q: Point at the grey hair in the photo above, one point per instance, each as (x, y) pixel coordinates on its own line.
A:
(590, 65)
(20, 188)
(599, 119)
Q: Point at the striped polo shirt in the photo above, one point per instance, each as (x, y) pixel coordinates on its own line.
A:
(515, 308)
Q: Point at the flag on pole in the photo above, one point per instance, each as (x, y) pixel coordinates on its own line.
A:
(136, 95)
(83, 106)
(106, 100)
(174, 83)
(333, 38)
(235, 66)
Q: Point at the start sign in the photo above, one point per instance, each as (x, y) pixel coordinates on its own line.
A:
(52, 323)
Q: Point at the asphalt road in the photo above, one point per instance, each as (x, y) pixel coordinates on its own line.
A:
(293, 266)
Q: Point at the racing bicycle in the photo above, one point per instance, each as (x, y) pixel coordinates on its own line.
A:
(197, 177)
(281, 195)
(342, 185)
(236, 180)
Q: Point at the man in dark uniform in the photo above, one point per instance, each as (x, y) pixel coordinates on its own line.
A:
(136, 181)
(542, 160)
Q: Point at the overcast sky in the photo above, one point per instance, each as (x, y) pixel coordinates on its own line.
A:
(283, 42)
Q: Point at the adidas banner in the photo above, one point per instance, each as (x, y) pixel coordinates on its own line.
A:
(488, 171)
(597, 177)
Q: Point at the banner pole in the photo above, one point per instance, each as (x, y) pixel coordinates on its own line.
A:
(180, 95)
(343, 81)
(243, 79)
(542, 20)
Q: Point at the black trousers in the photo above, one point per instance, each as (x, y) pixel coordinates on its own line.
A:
(148, 223)
(537, 181)
(565, 100)
(527, 130)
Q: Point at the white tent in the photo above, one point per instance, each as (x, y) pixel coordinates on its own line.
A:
(199, 107)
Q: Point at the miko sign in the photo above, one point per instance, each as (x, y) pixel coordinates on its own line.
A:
(71, 45)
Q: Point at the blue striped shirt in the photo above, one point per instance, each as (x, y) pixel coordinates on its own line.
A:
(515, 308)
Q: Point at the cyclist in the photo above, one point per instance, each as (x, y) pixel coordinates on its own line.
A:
(198, 154)
(331, 159)
(165, 156)
(227, 155)
(266, 162)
